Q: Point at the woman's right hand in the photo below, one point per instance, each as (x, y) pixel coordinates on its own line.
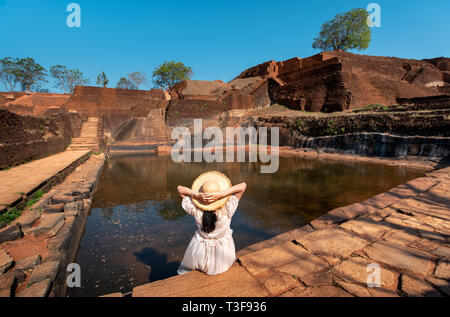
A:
(201, 197)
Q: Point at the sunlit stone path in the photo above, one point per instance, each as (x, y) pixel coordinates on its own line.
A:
(402, 234)
(24, 179)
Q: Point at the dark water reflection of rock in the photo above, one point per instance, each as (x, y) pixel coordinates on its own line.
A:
(137, 231)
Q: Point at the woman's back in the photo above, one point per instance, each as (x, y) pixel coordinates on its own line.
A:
(223, 217)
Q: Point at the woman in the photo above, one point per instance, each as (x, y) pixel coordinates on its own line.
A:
(212, 201)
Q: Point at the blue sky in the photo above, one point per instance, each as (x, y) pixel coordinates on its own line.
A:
(218, 39)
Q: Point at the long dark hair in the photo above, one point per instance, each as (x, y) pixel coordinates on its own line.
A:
(208, 221)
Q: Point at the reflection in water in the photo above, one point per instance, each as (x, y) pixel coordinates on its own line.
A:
(137, 231)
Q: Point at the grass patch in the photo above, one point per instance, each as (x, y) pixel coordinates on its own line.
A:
(14, 213)
(373, 107)
(11, 215)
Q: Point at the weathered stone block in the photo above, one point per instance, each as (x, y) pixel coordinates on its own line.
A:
(49, 225)
(317, 279)
(236, 282)
(355, 271)
(442, 285)
(28, 262)
(62, 199)
(55, 208)
(260, 261)
(354, 289)
(443, 270)
(62, 239)
(47, 270)
(401, 257)
(442, 251)
(39, 289)
(277, 282)
(417, 287)
(7, 284)
(6, 262)
(332, 244)
(11, 233)
(305, 264)
(366, 226)
(73, 208)
(27, 219)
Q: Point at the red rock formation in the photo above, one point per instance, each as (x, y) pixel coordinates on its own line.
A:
(34, 104)
(336, 81)
(199, 90)
(6, 97)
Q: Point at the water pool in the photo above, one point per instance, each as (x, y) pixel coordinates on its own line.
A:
(137, 232)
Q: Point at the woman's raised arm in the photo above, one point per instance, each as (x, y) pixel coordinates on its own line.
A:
(184, 191)
(237, 190)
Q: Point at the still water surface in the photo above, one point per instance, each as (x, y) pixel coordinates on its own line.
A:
(137, 231)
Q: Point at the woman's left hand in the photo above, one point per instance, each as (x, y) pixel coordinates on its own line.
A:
(212, 197)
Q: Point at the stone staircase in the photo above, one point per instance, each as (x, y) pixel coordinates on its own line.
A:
(89, 136)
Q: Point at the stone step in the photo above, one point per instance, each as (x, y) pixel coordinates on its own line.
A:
(49, 226)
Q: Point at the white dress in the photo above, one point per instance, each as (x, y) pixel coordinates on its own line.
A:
(214, 252)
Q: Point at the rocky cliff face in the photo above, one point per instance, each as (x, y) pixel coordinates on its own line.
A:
(336, 81)
(415, 129)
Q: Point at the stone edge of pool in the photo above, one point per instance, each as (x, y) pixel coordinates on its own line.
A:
(58, 220)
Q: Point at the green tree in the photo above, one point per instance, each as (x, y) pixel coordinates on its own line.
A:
(30, 74)
(8, 73)
(346, 31)
(125, 83)
(169, 73)
(138, 78)
(102, 80)
(67, 79)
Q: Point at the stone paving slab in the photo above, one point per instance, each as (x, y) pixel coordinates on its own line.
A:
(23, 179)
(401, 258)
(236, 282)
(332, 244)
(260, 261)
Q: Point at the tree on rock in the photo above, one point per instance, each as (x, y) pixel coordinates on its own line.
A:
(138, 78)
(125, 83)
(169, 73)
(346, 31)
(102, 80)
(67, 79)
(8, 76)
(29, 74)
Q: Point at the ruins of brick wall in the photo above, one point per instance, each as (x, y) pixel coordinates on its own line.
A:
(180, 110)
(199, 90)
(336, 81)
(115, 106)
(24, 138)
(207, 100)
(35, 104)
(6, 97)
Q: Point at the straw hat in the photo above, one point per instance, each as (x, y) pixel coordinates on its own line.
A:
(211, 182)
